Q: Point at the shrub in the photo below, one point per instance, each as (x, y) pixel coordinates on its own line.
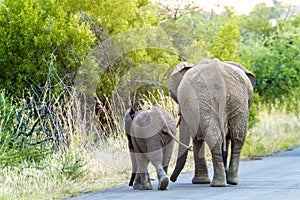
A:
(31, 32)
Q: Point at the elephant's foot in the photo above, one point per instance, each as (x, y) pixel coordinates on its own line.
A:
(142, 182)
(163, 183)
(219, 179)
(136, 186)
(163, 180)
(232, 178)
(218, 183)
(137, 181)
(146, 186)
(203, 179)
(142, 186)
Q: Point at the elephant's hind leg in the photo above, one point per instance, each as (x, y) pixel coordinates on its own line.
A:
(156, 159)
(219, 179)
(238, 130)
(201, 172)
(145, 182)
(163, 182)
(142, 179)
(232, 171)
(167, 154)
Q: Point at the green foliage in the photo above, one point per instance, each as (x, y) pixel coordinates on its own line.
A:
(253, 112)
(116, 17)
(15, 149)
(206, 35)
(126, 39)
(31, 32)
(224, 43)
(275, 60)
(106, 87)
(258, 21)
(254, 147)
(72, 167)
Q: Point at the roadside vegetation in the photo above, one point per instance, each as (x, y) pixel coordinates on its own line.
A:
(107, 163)
(70, 69)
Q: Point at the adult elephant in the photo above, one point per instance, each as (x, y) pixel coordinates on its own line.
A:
(214, 98)
(151, 135)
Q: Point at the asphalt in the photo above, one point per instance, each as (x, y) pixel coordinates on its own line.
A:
(275, 177)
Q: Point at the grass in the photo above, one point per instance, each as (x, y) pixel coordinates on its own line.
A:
(102, 167)
(277, 131)
(87, 166)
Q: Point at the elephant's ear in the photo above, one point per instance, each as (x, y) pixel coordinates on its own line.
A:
(250, 75)
(129, 115)
(132, 113)
(176, 77)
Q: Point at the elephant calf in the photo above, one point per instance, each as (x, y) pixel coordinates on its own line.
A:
(150, 136)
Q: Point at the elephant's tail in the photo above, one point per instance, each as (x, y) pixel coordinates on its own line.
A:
(172, 135)
(181, 160)
(179, 166)
(182, 156)
(183, 148)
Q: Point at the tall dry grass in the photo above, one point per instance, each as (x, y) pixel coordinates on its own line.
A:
(277, 130)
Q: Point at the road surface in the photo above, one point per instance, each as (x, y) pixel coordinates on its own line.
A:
(274, 177)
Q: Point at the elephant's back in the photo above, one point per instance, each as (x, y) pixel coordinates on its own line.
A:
(195, 98)
(204, 82)
(210, 90)
(237, 83)
(148, 128)
(145, 124)
(230, 82)
(151, 122)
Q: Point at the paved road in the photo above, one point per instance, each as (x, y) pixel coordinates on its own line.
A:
(275, 177)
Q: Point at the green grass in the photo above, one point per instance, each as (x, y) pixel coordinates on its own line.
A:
(102, 167)
(85, 168)
(277, 131)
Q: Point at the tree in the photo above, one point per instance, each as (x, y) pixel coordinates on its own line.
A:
(223, 44)
(274, 58)
(259, 21)
(206, 34)
(127, 38)
(178, 8)
(33, 31)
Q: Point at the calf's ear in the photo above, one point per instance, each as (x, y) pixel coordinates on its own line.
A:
(132, 113)
(129, 113)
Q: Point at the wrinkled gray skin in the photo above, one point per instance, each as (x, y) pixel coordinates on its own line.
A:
(150, 136)
(214, 99)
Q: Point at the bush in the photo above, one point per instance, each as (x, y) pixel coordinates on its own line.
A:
(15, 148)
(33, 126)
(31, 32)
